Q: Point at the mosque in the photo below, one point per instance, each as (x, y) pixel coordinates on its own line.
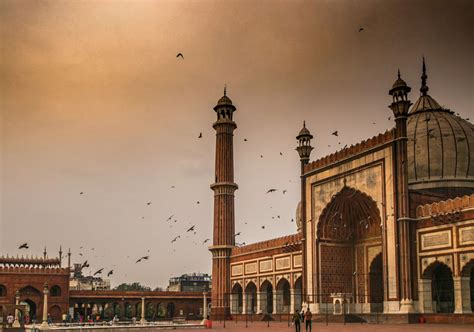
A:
(384, 226)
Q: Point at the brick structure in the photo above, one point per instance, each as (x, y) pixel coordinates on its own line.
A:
(224, 223)
(386, 223)
(27, 277)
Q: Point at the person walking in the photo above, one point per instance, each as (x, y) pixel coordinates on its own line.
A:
(308, 316)
(296, 321)
(10, 320)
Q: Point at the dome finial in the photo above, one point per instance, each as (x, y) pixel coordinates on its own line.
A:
(424, 88)
(398, 73)
(304, 123)
(225, 89)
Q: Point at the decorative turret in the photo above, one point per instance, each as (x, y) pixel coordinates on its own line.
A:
(304, 144)
(399, 91)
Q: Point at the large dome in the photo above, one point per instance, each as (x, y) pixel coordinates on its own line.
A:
(440, 147)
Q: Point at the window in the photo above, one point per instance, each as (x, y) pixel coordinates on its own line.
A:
(55, 291)
(3, 291)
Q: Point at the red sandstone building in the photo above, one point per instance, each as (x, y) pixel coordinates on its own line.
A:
(384, 226)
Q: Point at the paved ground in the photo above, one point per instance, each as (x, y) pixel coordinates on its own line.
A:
(333, 327)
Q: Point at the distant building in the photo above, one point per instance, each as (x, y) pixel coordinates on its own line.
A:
(80, 282)
(195, 282)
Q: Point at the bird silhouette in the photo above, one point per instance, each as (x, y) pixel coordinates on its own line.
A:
(110, 273)
(271, 190)
(200, 135)
(149, 203)
(191, 228)
(284, 191)
(180, 55)
(263, 227)
(170, 217)
(99, 271)
(23, 246)
(281, 154)
(142, 258)
(198, 202)
(81, 193)
(84, 265)
(261, 156)
(361, 29)
(245, 140)
(205, 241)
(176, 238)
(236, 234)
(172, 187)
(335, 133)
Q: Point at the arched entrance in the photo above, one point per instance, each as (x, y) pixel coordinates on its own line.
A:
(266, 291)
(32, 297)
(376, 284)
(161, 312)
(298, 290)
(251, 298)
(236, 299)
(283, 296)
(170, 310)
(349, 232)
(30, 309)
(442, 289)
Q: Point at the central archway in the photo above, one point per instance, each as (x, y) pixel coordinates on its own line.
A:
(266, 291)
(349, 237)
(236, 299)
(251, 298)
(442, 289)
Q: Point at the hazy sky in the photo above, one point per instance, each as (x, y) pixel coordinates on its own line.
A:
(93, 99)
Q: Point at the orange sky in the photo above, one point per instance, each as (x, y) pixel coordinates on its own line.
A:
(93, 99)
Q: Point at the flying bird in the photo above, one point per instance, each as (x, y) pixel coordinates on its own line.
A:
(263, 227)
(85, 264)
(99, 271)
(261, 156)
(170, 217)
(81, 193)
(361, 29)
(245, 140)
(110, 273)
(142, 258)
(200, 135)
(180, 55)
(149, 203)
(176, 238)
(172, 187)
(191, 228)
(281, 154)
(271, 190)
(236, 234)
(23, 246)
(205, 241)
(198, 202)
(335, 133)
(284, 191)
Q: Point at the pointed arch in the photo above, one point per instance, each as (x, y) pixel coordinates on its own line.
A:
(350, 215)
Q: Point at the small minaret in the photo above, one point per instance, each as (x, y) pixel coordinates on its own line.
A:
(224, 218)
(69, 258)
(60, 256)
(45, 253)
(400, 107)
(304, 150)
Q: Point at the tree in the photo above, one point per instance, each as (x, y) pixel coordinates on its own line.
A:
(136, 286)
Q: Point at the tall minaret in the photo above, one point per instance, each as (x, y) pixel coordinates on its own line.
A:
(400, 107)
(224, 219)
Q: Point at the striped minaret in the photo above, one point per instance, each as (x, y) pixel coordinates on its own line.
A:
(224, 220)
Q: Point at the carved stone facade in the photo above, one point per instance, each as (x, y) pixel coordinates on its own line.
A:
(387, 223)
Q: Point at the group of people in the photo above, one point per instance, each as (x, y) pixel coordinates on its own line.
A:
(302, 317)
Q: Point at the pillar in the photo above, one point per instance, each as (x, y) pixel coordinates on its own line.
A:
(275, 297)
(44, 324)
(143, 320)
(425, 301)
(259, 305)
(244, 303)
(16, 323)
(462, 295)
(292, 301)
(204, 308)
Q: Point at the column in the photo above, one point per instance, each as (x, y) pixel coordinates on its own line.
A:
(44, 324)
(259, 306)
(292, 301)
(275, 301)
(143, 320)
(462, 296)
(16, 323)
(244, 304)
(204, 308)
(425, 301)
